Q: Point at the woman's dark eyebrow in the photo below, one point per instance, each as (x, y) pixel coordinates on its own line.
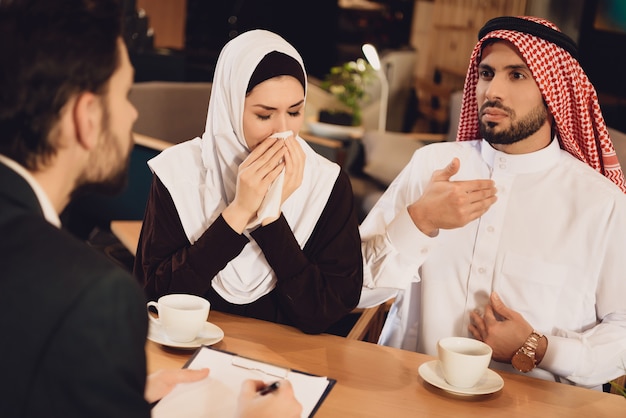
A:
(297, 104)
(264, 107)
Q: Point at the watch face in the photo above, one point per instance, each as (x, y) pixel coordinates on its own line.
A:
(523, 362)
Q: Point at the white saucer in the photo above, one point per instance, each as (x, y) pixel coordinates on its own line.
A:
(209, 335)
(431, 372)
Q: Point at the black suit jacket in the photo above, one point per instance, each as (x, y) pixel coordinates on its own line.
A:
(73, 325)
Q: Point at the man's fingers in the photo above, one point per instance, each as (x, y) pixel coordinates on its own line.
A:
(477, 325)
(250, 387)
(479, 189)
(193, 375)
(481, 196)
(479, 207)
(475, 332)
(499, 307)
(489, 315)
(448, 171)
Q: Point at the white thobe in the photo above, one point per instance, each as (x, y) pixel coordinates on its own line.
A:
(553, 246)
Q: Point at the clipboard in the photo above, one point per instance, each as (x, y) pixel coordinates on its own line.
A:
(216, 396)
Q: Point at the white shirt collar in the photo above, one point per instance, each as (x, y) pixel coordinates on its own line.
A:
(523, 163)
(49, 212)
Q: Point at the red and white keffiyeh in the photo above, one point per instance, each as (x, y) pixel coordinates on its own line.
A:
(566, 89)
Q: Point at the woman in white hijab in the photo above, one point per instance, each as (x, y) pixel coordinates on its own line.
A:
(249, 216)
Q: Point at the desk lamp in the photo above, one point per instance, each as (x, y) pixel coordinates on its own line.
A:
(372, 57)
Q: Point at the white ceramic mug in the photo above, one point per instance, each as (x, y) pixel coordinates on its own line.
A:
(463, 360)
(181, 316)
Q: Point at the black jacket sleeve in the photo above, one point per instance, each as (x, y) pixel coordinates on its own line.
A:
(166, 262)
(321, 283)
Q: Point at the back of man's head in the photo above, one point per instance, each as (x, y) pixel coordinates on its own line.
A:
(51, 50)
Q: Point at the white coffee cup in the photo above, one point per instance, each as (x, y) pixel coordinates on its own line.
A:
(463, 360)
(181, 316)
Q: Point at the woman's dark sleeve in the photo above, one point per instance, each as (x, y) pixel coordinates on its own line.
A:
(321, 283)
(166, 262)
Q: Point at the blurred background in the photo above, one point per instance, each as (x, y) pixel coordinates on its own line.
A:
(179, 40)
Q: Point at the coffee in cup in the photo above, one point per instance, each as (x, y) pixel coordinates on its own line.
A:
(181, 316)
(463, 360)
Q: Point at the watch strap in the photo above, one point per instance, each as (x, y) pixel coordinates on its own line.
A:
(532, 342)
(528, 350)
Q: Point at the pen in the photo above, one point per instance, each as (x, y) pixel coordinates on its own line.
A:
(270, 388)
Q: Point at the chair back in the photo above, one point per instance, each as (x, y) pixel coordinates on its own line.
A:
(173, 111)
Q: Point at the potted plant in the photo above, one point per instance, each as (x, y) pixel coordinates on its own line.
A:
(348, 83)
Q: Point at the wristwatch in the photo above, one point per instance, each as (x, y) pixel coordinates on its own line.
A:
(524, 359)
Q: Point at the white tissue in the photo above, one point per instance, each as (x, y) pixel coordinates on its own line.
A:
(270, 206)
(282, 135)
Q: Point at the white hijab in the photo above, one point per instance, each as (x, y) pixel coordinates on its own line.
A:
(201, 174)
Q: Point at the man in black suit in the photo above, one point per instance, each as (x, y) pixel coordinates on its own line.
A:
(73, 324)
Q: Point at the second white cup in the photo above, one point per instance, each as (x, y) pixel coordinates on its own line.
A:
(181, 316)
(463, 360)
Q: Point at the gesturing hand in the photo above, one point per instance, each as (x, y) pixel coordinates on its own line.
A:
(450, 204)
(502, 328)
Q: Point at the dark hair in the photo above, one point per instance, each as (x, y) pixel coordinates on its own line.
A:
(50, 51)
(275, 64)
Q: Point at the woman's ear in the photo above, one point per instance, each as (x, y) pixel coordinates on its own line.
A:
(87, 117)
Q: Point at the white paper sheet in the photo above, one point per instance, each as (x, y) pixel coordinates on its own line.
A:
(216, 396)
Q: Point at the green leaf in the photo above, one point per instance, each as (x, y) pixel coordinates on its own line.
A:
(347, 82)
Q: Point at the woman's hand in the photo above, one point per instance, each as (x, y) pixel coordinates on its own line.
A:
(256, 174)
(294, 167)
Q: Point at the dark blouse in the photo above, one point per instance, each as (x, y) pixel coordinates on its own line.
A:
(316, 286)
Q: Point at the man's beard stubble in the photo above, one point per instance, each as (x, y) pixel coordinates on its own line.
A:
(519, 129)
(112, 185)
(100, 178)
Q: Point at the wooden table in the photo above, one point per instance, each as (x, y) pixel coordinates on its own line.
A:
(377, 381)
(128, 233)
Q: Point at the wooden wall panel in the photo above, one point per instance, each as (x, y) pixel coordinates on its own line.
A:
(454, 31)
(167, 19)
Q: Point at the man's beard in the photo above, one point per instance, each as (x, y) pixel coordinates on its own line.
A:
(112, 185)
(518, 130)
(107, 172)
